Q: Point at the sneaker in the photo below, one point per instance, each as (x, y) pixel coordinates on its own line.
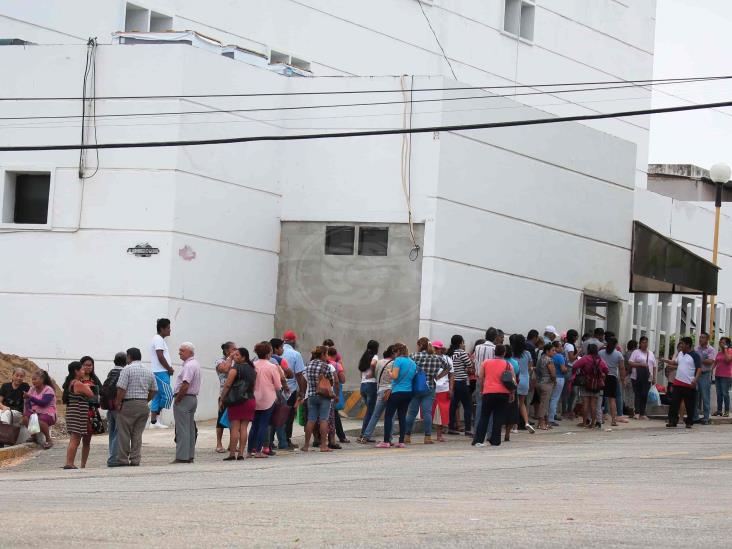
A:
(717, 413)
(158, 425)
(514, 431)
(428, 440)
(725, 414)
(401, 445)
(479, 445)
(530, 429)
(383, 445)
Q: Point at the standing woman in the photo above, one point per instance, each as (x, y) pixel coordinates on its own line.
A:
(383, 382)
(266, 385)
(723, 376)
(444, 388)
(512, 412)
(241, 413)
(569, 394)
(91, 380)
(526, 366)
(546, 377)
(398, 399)
(76, 396)
(616, 372)
(592, 370)
(560, 367)
(367, 367)
(495, 398)
(463, 368)
(41, 400)
(643, 363)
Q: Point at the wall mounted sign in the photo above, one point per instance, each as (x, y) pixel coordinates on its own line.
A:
(143, 250)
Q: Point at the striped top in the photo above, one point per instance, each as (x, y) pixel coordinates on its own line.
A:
(77, 414)
(461, 362)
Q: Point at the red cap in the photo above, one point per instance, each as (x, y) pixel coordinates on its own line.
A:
(289, 335)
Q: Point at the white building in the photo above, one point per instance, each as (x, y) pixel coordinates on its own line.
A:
(517, 227)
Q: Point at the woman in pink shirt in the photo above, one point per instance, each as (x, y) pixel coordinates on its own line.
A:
(41, 399)
(268, 383)
(495, 397)
(723, 376)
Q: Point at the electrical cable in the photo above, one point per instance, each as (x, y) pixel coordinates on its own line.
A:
(639, 83)
(307, 107)
(89, 82)
(368, 133)
(429, 23)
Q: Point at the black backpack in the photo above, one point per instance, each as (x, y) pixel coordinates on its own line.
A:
(243, 388)
(108, 392)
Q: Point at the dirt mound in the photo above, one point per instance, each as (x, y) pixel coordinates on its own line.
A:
(8, 363)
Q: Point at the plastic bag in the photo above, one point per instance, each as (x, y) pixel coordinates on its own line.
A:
(302, 414)
(225, 419)
(33, 426)
(654, 397)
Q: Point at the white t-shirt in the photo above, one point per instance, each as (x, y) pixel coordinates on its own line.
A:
(368, 375)
(569, 348)
(686, 369)
(159, 344)
(442, 385)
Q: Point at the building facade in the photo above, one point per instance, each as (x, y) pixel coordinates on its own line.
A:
(516, 227)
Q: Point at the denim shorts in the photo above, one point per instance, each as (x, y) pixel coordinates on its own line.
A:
(318, 408)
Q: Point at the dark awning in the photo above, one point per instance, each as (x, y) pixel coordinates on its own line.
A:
(660, 265)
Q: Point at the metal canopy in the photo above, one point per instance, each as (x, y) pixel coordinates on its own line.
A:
(660, 265)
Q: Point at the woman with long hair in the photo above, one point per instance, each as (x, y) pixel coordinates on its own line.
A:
(41, 400)
(512, 412)
(643, 363)
(571, 353)
(592, 370)
(383, 381)
(616, 376)
(546, 377)
(400, 395)
(526, 367)
(240, 414)
(461, 395)
(267, 383)
(76, 396)
(367, 367)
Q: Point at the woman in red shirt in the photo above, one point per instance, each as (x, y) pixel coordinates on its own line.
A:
(495, 397)
(723, 376)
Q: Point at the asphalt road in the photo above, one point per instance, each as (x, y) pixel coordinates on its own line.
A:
(646, 487)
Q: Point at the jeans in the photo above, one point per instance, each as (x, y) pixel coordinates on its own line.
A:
(397, 403)
(640, 389)
(318, 408)
(379, 408)
(424, 402)
(556, 395)
(704, 396)
(722, 386)
(619, 398)
(567, 398)
(495, 406)
(112, 430)
(258, 430)
(688, 395)
(461, 396)
(368, 394)
(291, 418)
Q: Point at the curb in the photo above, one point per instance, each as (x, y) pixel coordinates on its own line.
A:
(12, 452)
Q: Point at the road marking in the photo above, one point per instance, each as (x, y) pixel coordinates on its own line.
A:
(664, 455)
(720, 456)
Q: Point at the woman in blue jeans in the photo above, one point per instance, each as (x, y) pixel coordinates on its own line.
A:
(398, 398)
(367, 366)
(383, 384)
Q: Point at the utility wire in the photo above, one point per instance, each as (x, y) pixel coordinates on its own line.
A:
(421, 7)
(398, 131)
(639, 83)
(337, 105)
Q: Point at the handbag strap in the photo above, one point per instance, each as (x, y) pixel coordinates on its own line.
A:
(383, 369)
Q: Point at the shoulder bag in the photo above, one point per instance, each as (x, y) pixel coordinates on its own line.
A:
(508, 378)
(239, 390)
(325, 387)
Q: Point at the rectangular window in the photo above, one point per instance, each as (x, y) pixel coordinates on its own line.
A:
(339, 240)
(159, 22)
(373, 241)
(25, 198)
(137, 19)
(518, 18)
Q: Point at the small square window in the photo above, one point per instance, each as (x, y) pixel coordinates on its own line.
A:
(518, 18)
(373, 240)
(137, 19)
(25, 199)
(339, 240)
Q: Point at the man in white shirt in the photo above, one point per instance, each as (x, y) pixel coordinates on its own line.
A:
(688, 372)
(162, 370)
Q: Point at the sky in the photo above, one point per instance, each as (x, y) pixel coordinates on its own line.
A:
(692, 39)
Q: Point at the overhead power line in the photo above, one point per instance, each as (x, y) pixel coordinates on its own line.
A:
(327, 106)
(638, 83)
(368, 133)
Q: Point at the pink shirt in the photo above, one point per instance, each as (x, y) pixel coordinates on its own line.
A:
(493, 369)
(268, 381)
(724, 368)
(190, 372)
(37, 408)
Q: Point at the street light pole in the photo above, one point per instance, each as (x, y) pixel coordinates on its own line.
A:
(719, 174)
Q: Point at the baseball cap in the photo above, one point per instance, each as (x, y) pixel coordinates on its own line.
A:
(289, 335)
(551, 329)
(437, 344)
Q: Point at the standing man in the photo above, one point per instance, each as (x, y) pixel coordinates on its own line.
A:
(109, 394)
(707, 354)
(185, 393)
(279, 360)
(688, 371)
(222, 367)
(135, 388)
(597, 338)
(162, 370)
(296, 384)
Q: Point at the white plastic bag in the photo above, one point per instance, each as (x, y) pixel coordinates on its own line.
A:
(654, 398)
(33, 426)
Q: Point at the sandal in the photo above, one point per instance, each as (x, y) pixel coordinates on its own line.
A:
(47, 445)
(220, 450)
(614, 424)
(69, 467)
(335, 446)
(326, 450)
(260, 455)
(230, 458)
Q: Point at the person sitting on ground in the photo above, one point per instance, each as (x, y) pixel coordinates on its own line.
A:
(241, 412)
(41, 400)
(76, 396)
(11, 398)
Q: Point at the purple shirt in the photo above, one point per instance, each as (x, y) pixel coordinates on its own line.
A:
(190, 372)
(706, 353)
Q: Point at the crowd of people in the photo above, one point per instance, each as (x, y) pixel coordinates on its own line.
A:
(486, 393)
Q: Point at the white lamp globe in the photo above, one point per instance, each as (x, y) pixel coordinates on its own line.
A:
(720, 173)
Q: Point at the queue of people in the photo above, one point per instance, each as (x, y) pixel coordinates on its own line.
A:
(497, 387)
